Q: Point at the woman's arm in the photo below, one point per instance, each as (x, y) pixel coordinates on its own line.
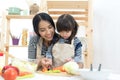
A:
(45, 60)
(32, 47)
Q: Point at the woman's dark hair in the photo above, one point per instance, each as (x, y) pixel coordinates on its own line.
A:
(39, 17)
(66, 22)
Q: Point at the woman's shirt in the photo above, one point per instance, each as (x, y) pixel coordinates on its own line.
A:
(32, 49)
(77, 48)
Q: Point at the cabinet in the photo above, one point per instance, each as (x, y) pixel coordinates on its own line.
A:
(9, 17)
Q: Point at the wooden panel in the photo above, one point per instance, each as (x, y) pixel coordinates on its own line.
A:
(76, 18)
(67, 4)
(78, 9)
(68, 12)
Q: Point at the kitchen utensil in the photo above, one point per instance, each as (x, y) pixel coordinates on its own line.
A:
(14, 11)
(94, 74)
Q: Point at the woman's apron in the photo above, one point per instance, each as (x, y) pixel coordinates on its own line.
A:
(39, 47)
(61, 52)
(38, 54)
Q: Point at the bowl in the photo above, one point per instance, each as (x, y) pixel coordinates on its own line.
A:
(14, 11)
(86, 74)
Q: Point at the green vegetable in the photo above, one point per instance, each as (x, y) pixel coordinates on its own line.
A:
(50, 71)
(26, 76)
(71, 67)
(56, 71)
(53, 71)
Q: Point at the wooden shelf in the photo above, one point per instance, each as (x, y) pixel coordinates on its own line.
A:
(18, 46)
(19, 17)
(9, 18)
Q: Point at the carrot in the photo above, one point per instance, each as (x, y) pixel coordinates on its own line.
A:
(59, 68)
(24, 73)
(44, 69)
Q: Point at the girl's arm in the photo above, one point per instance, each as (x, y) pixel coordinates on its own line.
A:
(78, 52)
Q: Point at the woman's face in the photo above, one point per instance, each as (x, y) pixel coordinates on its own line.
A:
(46, 30)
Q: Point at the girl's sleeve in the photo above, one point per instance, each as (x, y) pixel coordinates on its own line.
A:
(32, 47)
(78, 50)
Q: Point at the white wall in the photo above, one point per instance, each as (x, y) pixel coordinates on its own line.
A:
(106, 33)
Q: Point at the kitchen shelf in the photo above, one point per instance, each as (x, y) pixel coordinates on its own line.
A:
(19, 17)
(9, 17)
(18, 46)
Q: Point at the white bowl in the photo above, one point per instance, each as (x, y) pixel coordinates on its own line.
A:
(86, 74)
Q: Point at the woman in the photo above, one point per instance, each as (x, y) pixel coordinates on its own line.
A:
(40, 45)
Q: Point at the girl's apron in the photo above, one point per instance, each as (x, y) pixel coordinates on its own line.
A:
(61, 52)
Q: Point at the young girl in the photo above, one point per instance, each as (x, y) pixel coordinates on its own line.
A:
(68, 48)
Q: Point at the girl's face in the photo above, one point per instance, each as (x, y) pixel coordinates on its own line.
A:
(65, 34)
(46, 30)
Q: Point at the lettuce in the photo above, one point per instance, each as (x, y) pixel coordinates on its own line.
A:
(71, 67)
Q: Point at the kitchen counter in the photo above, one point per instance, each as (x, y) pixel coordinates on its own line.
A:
(40, 76)
(48, 77)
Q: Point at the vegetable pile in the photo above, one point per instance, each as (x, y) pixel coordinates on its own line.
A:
(69, 67)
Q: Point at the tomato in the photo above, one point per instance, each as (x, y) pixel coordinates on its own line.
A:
(10, 74)
(9, 66)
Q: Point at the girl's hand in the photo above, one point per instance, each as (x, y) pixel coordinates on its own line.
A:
(69, 59)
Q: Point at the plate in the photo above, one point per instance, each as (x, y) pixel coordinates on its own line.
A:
(95, 74)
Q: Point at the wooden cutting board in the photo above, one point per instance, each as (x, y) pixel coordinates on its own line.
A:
(57, 74)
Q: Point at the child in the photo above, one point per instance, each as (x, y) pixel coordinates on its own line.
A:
(68, 48)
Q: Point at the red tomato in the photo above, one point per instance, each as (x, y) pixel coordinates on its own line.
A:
(10, 74)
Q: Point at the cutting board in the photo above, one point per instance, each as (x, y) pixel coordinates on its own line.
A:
(57, 74)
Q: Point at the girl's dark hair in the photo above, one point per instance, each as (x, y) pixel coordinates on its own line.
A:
(66, 22)
(39, 17)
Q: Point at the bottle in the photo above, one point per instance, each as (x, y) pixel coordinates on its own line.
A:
(24, 37)
(34, 9)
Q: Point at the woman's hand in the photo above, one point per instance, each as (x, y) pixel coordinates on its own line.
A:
(45, 62)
